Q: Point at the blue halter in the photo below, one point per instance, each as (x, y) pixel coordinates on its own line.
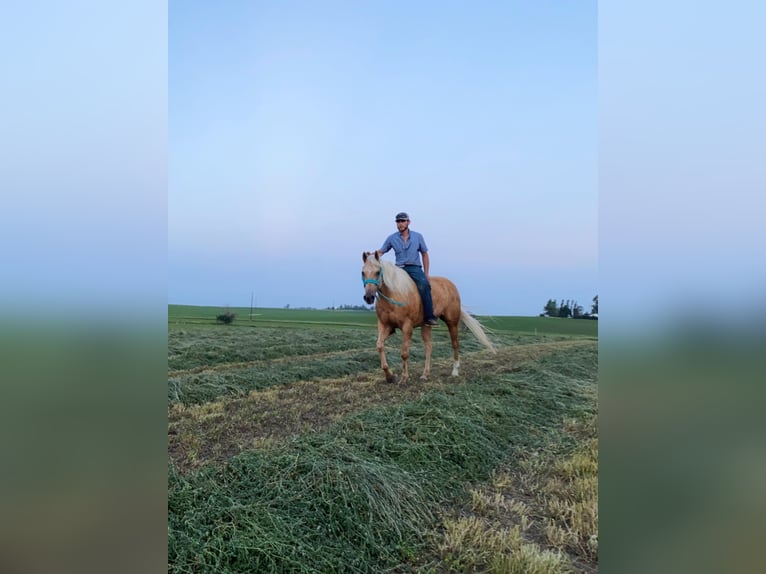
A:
(377, 283)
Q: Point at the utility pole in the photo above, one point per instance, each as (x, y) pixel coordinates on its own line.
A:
(251, 305)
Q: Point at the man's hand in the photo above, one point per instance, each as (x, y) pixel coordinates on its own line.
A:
(426, 266)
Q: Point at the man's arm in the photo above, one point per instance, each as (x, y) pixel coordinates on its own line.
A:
(426, 264)
(384, 248)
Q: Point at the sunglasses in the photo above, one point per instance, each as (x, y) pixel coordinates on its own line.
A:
(401, 220)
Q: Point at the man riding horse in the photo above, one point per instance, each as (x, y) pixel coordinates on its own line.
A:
(408, 246)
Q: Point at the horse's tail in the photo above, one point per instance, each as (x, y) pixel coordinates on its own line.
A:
(475, 327)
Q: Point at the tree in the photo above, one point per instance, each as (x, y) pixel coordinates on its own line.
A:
(226, 317)
(551, 309)
(567, 308)
(594, 307)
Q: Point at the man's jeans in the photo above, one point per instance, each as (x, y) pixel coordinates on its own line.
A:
(416, 272)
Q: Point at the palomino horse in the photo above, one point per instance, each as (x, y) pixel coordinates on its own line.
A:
(399, 306)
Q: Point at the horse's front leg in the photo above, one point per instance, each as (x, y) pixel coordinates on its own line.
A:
(384, 333)
(406, 341)
(425, 332)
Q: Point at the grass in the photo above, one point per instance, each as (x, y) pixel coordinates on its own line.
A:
(540, 515)
(186, 314)
(215, 430)
(364, 493)
(325, 318)
(211, 361)
(288, 452)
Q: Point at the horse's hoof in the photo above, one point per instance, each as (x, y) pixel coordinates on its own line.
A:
(391, 379)
(423, 377)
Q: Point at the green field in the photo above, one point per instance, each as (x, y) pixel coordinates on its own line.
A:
(184, 314)
(288, 452)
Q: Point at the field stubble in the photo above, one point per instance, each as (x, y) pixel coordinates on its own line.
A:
(307, 460)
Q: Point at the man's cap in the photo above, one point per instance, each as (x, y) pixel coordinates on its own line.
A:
(402, 216)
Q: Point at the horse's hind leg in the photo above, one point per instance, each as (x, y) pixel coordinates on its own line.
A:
(454, 335)
(425, 332)
(384, 333)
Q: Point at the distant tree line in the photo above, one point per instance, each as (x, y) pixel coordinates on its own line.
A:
(333, 308)
(569, 308)
(351, 308)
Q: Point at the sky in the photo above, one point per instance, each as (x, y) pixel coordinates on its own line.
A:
(681, 163)
(297, 130)
(155, 154)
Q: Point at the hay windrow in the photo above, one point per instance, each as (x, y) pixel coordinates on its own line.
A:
(363, 494)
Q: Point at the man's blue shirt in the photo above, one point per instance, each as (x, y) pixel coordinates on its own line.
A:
(406, 254)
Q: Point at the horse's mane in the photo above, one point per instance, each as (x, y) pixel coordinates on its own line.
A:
(397, 279)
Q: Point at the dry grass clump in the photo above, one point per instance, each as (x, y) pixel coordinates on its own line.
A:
(540, 517)
(476, 544)
(571, 496)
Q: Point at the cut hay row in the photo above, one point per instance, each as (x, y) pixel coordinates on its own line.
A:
(189, 348)
(367, 493)
(216, 430)
(242, 378)
(206, 365)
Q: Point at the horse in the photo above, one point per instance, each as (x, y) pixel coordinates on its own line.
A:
(399, 306)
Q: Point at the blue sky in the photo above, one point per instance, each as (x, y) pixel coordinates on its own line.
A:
(298, 129)
(83, 157)
(138, 161)
(681, 162)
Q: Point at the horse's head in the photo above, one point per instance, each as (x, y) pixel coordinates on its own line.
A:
(371, 275)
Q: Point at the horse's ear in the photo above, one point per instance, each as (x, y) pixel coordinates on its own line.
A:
(364, 256)
(377, 257)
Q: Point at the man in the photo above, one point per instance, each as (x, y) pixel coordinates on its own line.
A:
(408, 246)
